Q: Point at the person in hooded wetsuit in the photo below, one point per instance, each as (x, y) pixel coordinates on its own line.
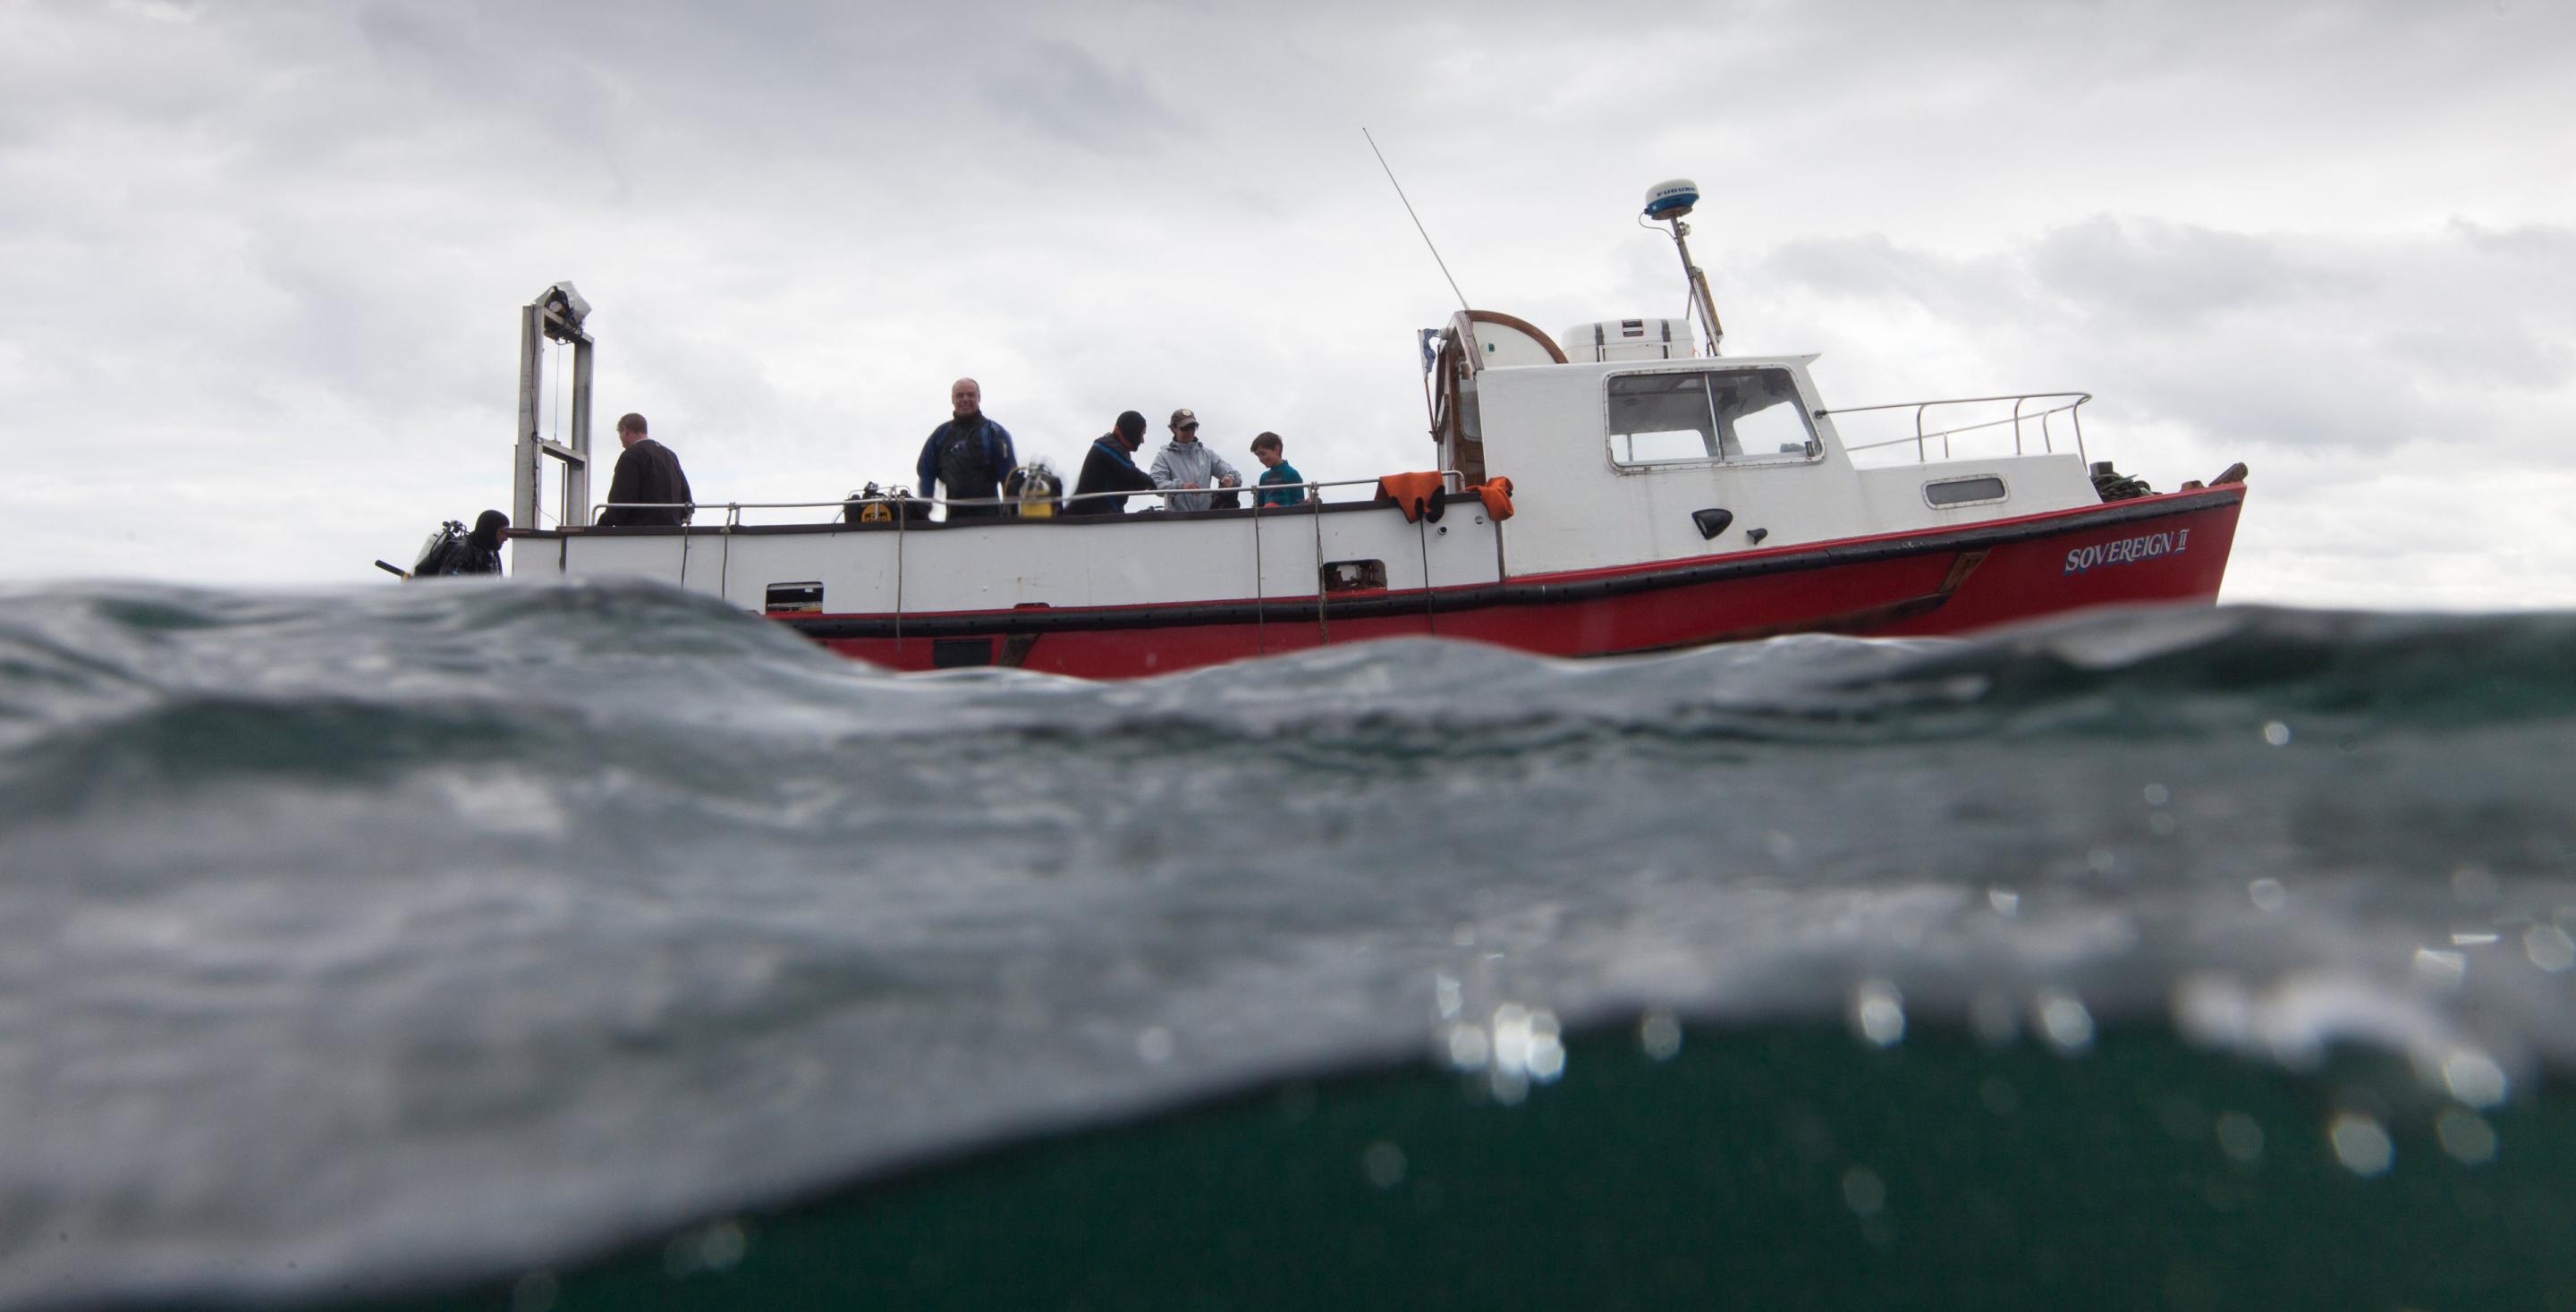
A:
(1111, 467)
(478, 552)
(482, 553)
(968, 456)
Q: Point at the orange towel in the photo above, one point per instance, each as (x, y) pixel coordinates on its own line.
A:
(1414, 494)
(1497, 495)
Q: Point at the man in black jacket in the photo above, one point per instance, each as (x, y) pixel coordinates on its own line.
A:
(648, 474)
(1111, 467)
(968, 456)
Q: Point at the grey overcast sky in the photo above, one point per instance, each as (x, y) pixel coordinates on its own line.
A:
(260, 262)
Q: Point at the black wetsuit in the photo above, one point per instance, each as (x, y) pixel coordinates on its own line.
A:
(478, 552)
(968, 457)
(1108, 468)
(647, 472)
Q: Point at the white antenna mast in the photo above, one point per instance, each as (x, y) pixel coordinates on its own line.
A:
(1667, 202)
(1417, 219)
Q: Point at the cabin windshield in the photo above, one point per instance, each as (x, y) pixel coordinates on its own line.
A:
(1702, 415)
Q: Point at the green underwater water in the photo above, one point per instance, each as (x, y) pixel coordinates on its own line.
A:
(1783, 1167)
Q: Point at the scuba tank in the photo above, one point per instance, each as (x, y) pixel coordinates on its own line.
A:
(454, 550)
(1034, 487)
(439, 552)
(880, 505)
(866, 506)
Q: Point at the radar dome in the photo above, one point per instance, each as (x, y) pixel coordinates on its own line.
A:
(1671, 200)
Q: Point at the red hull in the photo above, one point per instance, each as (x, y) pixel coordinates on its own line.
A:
(2169, 548)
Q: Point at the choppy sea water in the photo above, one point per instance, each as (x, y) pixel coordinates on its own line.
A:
(512, 946)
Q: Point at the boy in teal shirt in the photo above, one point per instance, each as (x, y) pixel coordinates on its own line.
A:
(1279, 479)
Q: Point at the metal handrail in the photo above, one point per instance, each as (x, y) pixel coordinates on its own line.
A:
(1922, 438)
(1450, 479)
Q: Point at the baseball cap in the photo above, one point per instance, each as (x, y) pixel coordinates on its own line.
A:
(1184, 419)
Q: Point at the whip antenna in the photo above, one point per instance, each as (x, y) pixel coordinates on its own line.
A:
(1417, 219)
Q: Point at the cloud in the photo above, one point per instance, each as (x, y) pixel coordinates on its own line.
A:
(2277, 339)
(1066, 94)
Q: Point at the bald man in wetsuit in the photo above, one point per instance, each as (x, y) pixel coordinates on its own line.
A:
(968, 456)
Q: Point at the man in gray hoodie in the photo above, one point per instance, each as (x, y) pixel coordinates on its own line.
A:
(1184, 469)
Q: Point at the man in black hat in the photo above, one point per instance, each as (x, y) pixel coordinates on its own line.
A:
(1111, 467)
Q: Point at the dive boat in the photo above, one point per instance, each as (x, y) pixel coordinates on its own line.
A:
(1614, 489)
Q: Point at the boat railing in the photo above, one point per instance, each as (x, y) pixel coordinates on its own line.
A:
(917, 508)
(2029, 422)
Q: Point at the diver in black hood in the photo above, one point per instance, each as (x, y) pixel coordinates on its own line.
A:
(454, 551)
(483, 545)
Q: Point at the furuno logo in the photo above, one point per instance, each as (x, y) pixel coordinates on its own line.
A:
(2127, 551)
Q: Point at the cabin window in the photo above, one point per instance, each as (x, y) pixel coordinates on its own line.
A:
(1964, 491)
(1702, 415)
(794, 599)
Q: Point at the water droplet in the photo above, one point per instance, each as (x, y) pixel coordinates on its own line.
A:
(2549, 948)
(1863, 1192)
(2063, 1019)
(2158, 795)
(1878, 1011)
(2466, 1136)
(2239, 1137)
(2361, 1145)
(1468, 1047)
(1660, 1035)
(2440, 968)
(2276, 733)
(721, 1246)
(1383, 1164)
(2005, 901)
(1546, 1058)
(2267, 894)
(2100, 860)
(1526, 1048)
(2474, 1078)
